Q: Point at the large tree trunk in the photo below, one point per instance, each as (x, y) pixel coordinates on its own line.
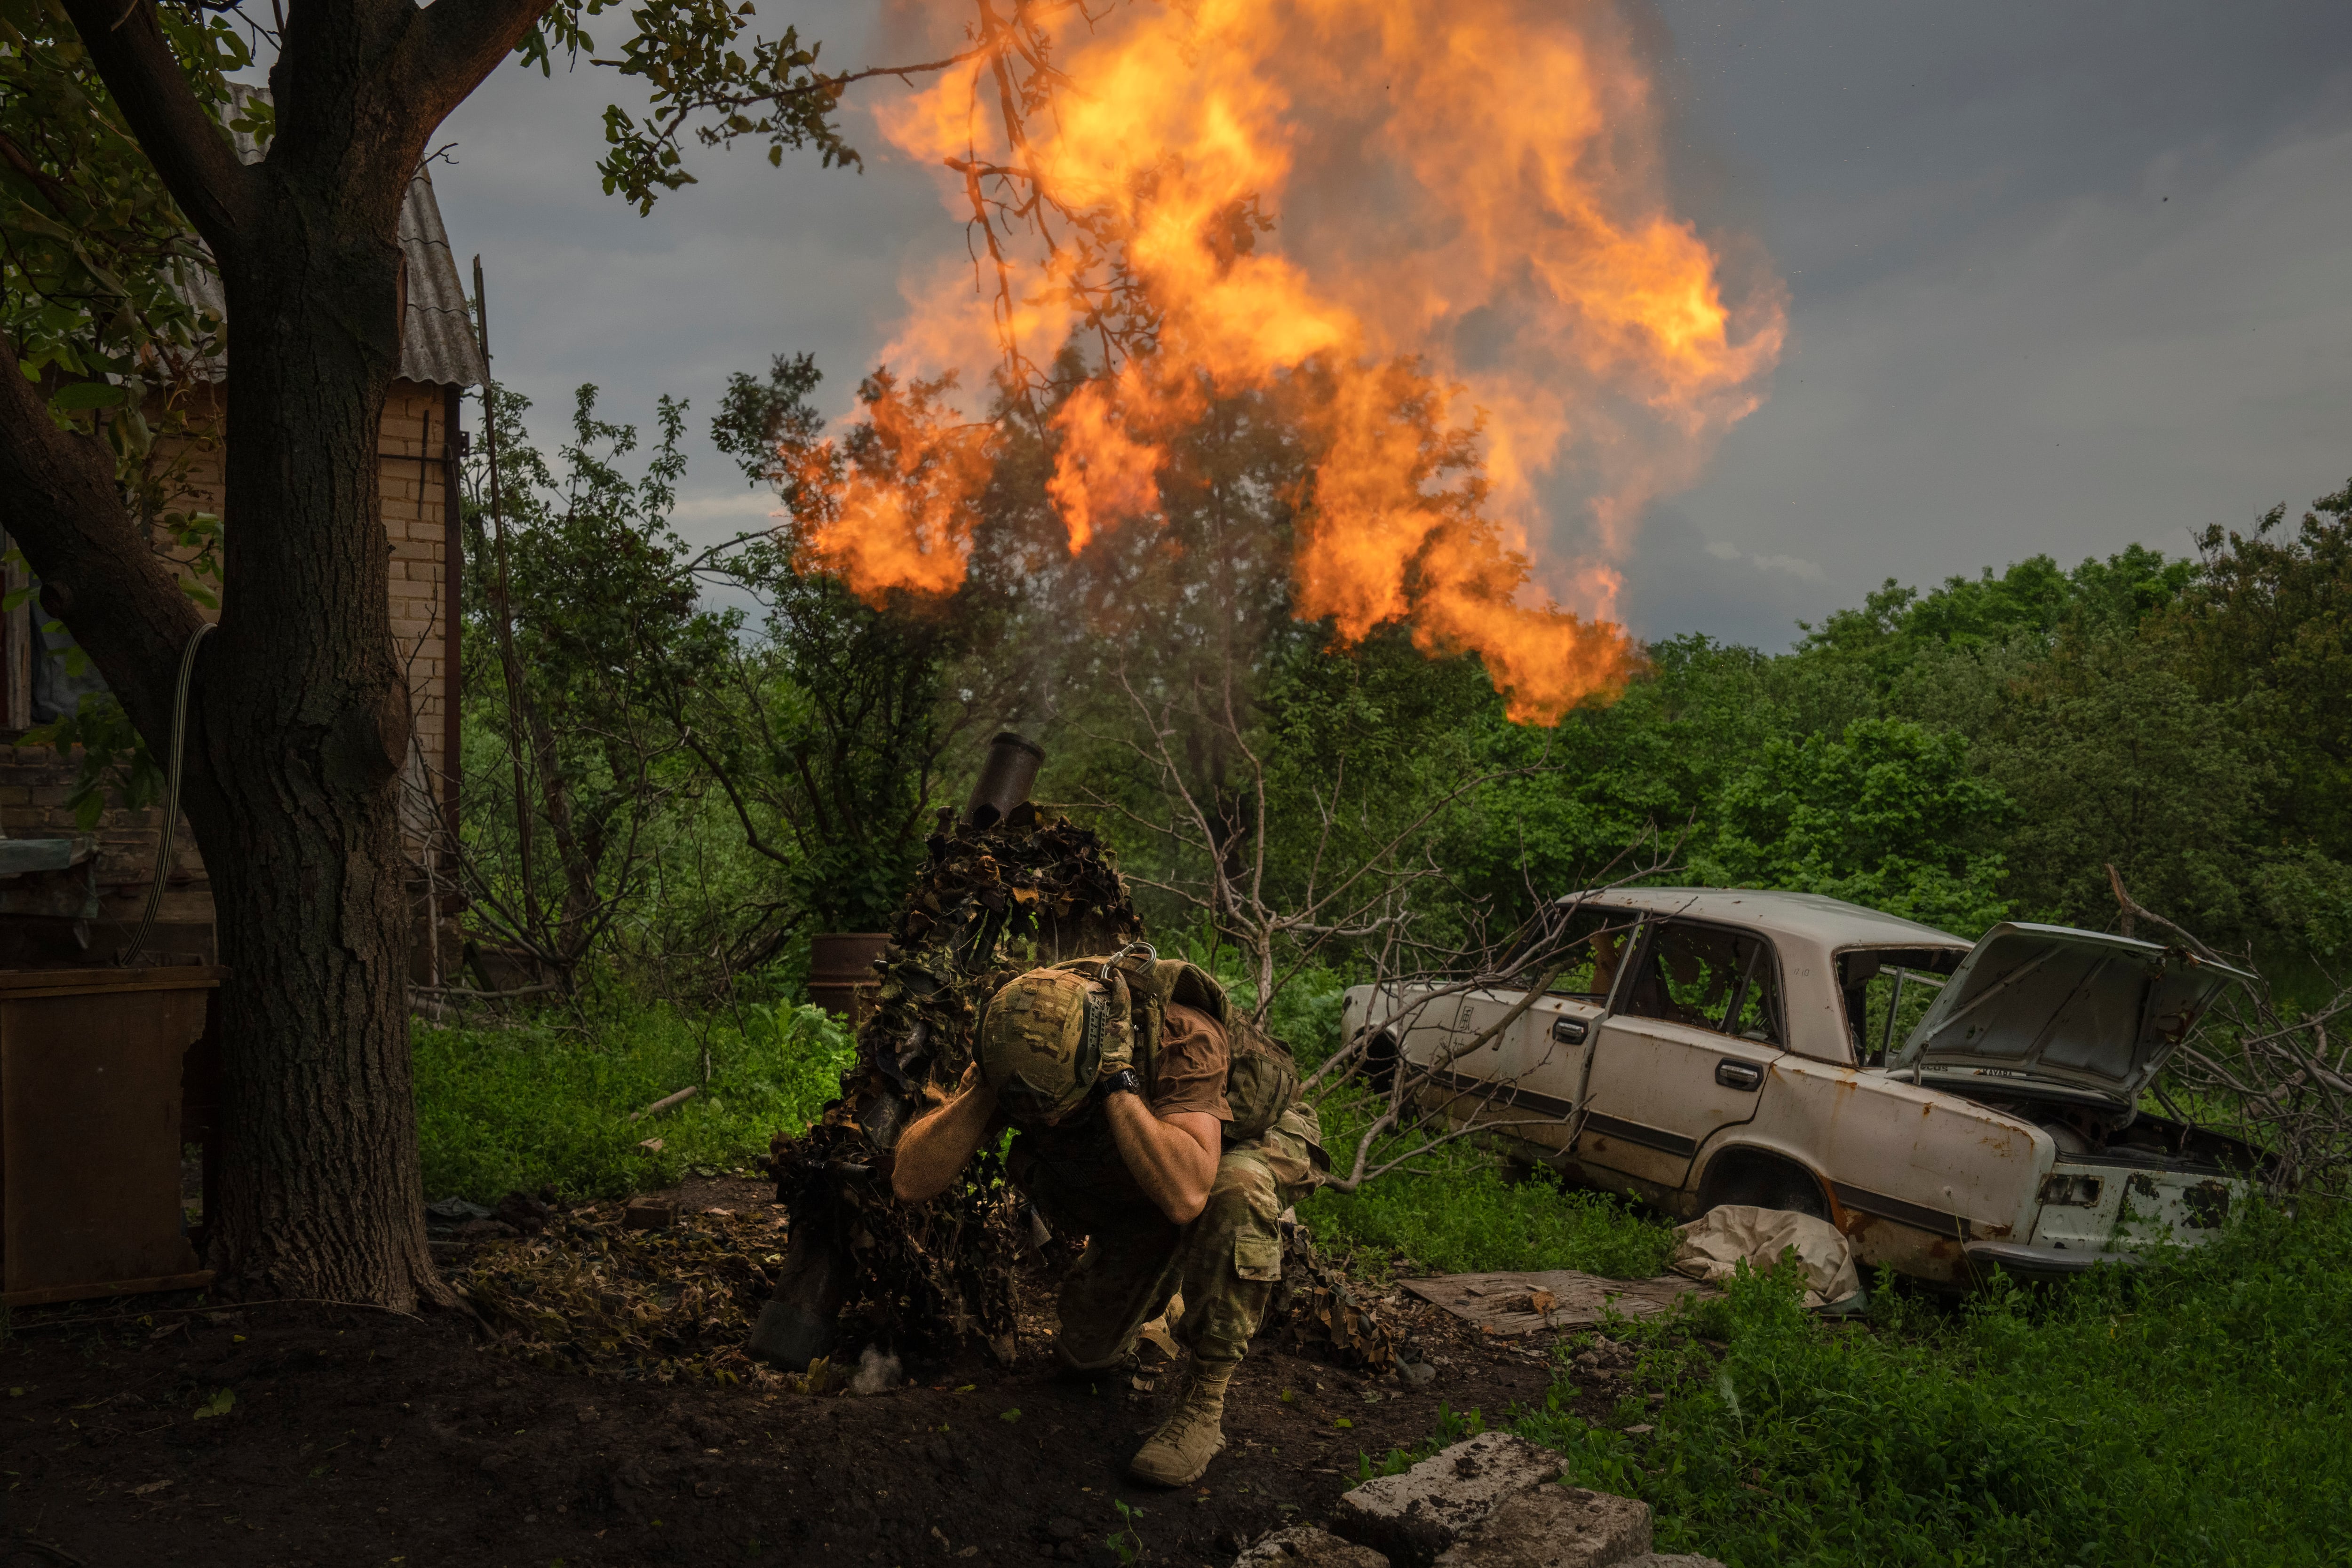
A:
(299, 718)
(305, 724)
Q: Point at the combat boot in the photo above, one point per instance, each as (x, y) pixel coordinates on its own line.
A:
(1176, 1453)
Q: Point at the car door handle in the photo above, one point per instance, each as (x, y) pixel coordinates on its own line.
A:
(1569, 1031)
(1739, 1074)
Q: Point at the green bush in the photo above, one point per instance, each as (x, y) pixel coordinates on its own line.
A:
(2194, 1414)
(498, 1109)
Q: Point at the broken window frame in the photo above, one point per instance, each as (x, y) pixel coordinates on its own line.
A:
(1585, 922)
(1910, 965)
(1737, 1000)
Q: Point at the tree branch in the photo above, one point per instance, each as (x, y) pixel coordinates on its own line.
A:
(452, 46)
(59, 495)
(198, 164)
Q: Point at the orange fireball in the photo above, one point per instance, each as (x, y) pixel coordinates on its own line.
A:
(1214, 197)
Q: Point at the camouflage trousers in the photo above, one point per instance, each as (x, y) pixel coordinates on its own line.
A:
(1225, 1263)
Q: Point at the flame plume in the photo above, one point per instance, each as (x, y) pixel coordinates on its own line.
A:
(896, 504)
(1473, 211)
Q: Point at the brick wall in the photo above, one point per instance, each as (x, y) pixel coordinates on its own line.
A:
(416, 437)
(36, 780)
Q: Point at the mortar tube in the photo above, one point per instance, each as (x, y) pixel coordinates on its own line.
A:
(1006, 774)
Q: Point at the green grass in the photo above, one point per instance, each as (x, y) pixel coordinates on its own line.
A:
(2198, 1413)
(498, 1109)
(1458, 1209)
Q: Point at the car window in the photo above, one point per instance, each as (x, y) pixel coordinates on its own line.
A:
(1887, 990)
(1709, 977)
(1588, 949)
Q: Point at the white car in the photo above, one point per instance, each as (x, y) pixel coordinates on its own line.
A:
(1704, 1046)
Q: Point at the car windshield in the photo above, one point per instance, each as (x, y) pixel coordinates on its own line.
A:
(1710, 977)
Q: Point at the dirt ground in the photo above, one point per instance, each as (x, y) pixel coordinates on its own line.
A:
(360, 1437)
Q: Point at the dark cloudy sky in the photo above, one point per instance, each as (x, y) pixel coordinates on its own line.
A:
(2063, 276)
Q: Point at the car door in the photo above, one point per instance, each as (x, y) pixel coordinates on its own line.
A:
(1686, 1053)
(1529, 1071)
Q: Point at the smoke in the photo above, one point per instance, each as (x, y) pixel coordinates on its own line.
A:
(876, 1373)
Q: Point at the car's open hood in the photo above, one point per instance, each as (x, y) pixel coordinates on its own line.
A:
(2051, 1005)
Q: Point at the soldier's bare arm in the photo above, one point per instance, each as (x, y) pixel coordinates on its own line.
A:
(1173, 1157)
(932, 1150)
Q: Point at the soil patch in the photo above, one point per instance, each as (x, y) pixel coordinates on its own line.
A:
(338, 1436)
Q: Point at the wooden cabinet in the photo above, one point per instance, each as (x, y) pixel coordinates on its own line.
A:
(95, 1073)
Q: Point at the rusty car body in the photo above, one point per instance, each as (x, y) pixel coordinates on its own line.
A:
(1949, 1106)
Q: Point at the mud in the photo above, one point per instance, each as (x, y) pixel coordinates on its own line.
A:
(351, 1436)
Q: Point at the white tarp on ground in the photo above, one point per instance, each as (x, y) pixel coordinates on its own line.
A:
(1718, 1241)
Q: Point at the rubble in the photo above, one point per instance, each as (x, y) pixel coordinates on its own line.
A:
(1487, 1502)
(1413, 1517)
(1555, 1527)
(1517, 1304)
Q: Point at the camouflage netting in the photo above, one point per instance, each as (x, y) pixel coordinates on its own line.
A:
(989, 905)
(1317, 1311)
(591, 1294)
(933, 1277)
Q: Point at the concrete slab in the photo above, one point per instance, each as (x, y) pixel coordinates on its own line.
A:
(1413, 1517)
(1555, 1527)
(1556, 1299)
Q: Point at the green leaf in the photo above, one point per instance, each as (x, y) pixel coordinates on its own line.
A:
(81, 395)
(218, 1405)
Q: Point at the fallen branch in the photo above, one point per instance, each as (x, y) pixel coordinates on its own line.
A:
(666, 1102)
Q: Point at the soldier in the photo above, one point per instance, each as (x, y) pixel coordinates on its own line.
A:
(1166, 1130)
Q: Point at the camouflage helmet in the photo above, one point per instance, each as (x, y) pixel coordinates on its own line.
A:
(1041, 1043)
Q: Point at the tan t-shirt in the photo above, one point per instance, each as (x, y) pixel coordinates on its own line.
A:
(1189, 1074)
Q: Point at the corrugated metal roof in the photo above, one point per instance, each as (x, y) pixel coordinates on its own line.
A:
(436, 341)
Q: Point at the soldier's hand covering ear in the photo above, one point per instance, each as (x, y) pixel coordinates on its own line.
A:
(1118, 1031)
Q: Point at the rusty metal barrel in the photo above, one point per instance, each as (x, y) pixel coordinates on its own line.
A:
(1006, 775)
(841, 972)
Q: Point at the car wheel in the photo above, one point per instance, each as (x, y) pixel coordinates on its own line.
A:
(1765, 1181)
